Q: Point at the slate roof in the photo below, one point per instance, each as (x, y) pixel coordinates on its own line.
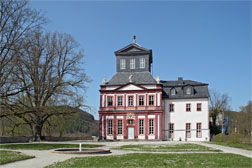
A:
(121, 78)
(199, 90)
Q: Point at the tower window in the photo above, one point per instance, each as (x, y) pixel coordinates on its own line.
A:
(142, 62)
(132, 63)
(122, 63)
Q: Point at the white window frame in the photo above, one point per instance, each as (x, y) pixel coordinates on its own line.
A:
(119, 128)
(141, 126)
(110, 100)
(142, 63)
(132, 64)
(171, 130)
(122, 64)
(151, 126)
(141, 100)
(188, 130)
(198, 130)
(171, 108)
(130, 103)
(110, 126)
(151, 100)
(119, 101)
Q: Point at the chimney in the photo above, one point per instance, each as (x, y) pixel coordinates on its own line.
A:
(180, 80)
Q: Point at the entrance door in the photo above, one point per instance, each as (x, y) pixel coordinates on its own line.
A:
(130, 132)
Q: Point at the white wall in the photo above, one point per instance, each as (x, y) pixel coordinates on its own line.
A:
(180, 117)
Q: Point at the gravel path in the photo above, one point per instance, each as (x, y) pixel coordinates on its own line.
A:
(46, 157)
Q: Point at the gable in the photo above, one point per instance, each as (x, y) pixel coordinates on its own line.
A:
(133, 48)
(131, 87)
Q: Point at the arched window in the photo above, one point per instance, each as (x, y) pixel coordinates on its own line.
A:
(173, 92)
(188, 91)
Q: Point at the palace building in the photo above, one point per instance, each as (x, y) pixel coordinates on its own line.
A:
(135, 106)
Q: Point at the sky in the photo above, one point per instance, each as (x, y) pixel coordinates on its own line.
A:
(205, 41)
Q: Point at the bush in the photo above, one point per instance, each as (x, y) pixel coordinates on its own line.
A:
(233, 138)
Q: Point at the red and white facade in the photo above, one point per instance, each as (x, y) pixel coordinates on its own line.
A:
(135, 106)
(135, 112)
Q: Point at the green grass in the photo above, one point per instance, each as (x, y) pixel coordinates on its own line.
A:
(12, 156)
(158, 160)
(168, 148)
(46, 146)
(235, 145)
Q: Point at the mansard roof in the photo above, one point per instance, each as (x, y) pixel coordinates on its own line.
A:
(199, 90)
(122, 78)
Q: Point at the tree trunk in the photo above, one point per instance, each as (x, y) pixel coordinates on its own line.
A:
(38, 132)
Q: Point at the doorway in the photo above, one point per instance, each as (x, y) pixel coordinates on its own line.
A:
(130, 132)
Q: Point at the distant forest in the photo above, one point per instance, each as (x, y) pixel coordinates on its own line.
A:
(81, 124)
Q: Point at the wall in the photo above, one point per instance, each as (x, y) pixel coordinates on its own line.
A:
(180, 117)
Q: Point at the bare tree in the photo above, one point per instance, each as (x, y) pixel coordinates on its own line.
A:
(16, 19)
(50, 68)
(219, 103)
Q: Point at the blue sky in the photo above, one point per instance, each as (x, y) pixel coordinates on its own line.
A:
(206, 41)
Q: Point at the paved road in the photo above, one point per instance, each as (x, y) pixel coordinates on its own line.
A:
(46, 157)
(227, 149)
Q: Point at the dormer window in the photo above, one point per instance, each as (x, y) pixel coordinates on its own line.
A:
(132, 63)
(122, 63)
(173, 92)
(188, 91)
(142, 63)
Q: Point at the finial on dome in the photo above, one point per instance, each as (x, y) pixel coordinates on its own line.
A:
(134, 38)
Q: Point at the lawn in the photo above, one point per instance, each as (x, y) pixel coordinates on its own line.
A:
(158, 160)
(235, 145)
(12, 156)
(46, 146)
(168, 148)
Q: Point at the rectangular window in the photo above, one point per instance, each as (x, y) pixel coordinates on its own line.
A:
(188, 130)
(171, 130)
(119, 127)
(198, 130)
(151, 126)
(151, 100)
(132, 63)
(110, 101)
(119, 100)
(198, 106)
(141, 100)
(130, 101)
(122, 64)
(109, 126)
(171, 107)
(188, 107)
(142, 62)
(141, 126)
